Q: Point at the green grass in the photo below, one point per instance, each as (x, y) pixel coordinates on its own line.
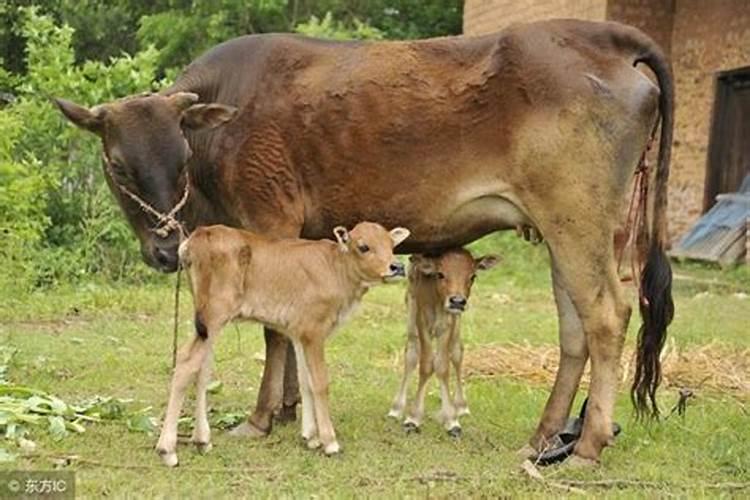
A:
(116, 341)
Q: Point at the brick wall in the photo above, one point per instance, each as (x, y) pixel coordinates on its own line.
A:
(708, 37)
(486, 16)
(702, 36)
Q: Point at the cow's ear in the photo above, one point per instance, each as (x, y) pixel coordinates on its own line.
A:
(200, 116)
(487, 262)
(87, 119)
(399, 234)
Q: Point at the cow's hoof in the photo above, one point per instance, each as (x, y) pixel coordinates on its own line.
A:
(332, 449)
(168, 457)
(203, 448)
(527, 452)
(246, 429)
(286, 414)
(455, 432)
(314, 443)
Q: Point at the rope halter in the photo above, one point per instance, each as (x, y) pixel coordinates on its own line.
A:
(166, 223)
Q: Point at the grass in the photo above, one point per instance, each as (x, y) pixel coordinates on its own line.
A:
(116, 341)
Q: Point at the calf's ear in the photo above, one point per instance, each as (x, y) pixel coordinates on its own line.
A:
(424, 266)
(342, 236)
(487, 262)
(399, 234)
(200, 116)
(87, 119)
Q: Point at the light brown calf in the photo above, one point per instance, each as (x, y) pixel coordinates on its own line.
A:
(302, 288)
(439, 289)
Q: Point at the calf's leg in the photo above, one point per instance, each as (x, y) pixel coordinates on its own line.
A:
(426, 368)
(314, 356)
(202, 431)
(190, 359)
(309, 425)
(411, 358)
(457, 357)
(442, 369)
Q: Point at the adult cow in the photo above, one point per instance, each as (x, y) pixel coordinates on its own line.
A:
(542, 124)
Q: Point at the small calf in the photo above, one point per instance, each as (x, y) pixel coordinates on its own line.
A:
(439, 288)
(302, 288)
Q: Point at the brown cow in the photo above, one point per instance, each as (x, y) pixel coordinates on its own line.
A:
(438, 293)
(541, 125)
(304, 289)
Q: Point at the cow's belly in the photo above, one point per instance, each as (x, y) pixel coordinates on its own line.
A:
(438, 214)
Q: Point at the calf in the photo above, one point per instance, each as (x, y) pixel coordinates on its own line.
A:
(302, 288)
(439, 288)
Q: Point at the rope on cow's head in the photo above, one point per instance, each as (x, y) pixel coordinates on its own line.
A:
(166, 223)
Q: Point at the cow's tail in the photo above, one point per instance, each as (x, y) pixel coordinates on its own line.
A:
(656, 305)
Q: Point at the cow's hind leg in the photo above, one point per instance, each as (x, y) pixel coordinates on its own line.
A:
(585, 264)
(573, 357)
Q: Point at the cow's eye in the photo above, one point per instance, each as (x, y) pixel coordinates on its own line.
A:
(363, 248)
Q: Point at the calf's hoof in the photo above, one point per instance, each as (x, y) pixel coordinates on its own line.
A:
(332, 449)
(203, 447)
(313, 443)
(168, 457)
(455, 432)
(246, 429)
(411, 427)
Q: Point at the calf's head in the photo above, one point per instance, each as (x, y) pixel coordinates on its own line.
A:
(145, 151)
(370, 250)
(452, 274)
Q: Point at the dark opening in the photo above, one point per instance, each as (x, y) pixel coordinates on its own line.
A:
(729, 144)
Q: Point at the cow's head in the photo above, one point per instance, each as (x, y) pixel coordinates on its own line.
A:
(145, 151)
(371, 246)
(452, 274)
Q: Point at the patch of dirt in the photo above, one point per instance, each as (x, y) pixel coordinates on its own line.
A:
(714, 367)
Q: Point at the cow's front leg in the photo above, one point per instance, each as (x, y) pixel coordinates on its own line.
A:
(271, 386)
(288, 411)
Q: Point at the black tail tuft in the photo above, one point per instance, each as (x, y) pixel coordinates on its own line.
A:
(200, 327)
(657, 311)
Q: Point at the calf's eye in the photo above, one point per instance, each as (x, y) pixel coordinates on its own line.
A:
(439, 275)
(473, 277)
(363, 248)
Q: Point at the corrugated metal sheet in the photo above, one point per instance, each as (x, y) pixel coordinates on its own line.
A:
(721, 234)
